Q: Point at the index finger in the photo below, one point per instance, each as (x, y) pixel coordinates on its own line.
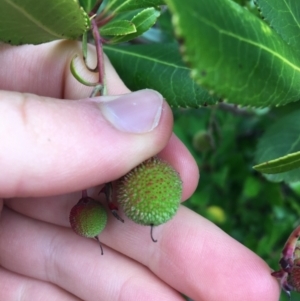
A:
(197, 258)
(192, 255)
(45, 70)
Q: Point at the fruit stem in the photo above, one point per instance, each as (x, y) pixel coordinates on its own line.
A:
(85, 52)
(96, 237)
(116, 215)
(100, 57)
(151, 233)
(104, 21)
(107, 190)
(95, 8)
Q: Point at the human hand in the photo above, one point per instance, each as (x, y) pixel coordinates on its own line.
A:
(53, 148)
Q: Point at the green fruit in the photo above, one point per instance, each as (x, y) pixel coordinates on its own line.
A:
(150, 194)
(88, 218)
(203, 141)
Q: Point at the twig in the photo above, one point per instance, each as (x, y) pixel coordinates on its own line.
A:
(95, 8)
(99, 53)
(234, 109)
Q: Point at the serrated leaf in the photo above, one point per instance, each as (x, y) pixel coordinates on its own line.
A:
(142, 21)
(159, 67)
(236, 54)
(118, 28)
(280, 146)
(35, 22)
(87, 5)
(118, 6)
(285, 163)
(284, 17)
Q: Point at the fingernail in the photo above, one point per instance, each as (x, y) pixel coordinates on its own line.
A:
(137, 112)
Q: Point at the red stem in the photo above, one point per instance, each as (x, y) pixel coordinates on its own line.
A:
(100, 65)
(96, 7)
(99, 51)
(104, 21)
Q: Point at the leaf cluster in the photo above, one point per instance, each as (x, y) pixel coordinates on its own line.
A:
(258, 213)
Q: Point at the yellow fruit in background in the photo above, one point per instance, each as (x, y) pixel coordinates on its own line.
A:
(216, 214)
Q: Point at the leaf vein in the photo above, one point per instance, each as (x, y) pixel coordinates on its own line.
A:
(29, 17)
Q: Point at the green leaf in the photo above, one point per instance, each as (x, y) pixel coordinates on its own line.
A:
(142, 21)
(235, 54)
(284, 17)
(118, 28)
(87, 5)
(279, 165)
(118, 6)
(35, 22)
(159, 67)
(278, 150)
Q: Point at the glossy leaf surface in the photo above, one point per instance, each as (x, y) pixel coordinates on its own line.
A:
(142, 21)
(87, 5)
(281, 164)
(235, 54)
(118, 6)
(284, 17)
(159, 67)
(118, 28)
(280, 146)
(35, 22)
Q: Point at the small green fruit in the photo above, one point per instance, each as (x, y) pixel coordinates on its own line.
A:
(150, 194)
(88, 218)
(203, 141)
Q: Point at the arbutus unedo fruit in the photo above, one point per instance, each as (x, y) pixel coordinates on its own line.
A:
(88, 218)
(150, 193)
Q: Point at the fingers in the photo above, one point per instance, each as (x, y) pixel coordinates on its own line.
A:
(45, 70)
(16, 287)
(51, 253)
(197, 258)
(71, 145)
(67, 146)
(55, 209)
(192, 255)
(52, 209)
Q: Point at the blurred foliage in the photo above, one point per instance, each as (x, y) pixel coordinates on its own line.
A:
(223, 139)
(258, 213)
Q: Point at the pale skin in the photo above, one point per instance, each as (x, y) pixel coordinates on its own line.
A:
(48, 151)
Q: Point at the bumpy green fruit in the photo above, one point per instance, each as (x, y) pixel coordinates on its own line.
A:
(150, 194)
(88, 218)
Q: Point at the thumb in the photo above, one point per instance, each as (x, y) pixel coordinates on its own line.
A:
(52, 146)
